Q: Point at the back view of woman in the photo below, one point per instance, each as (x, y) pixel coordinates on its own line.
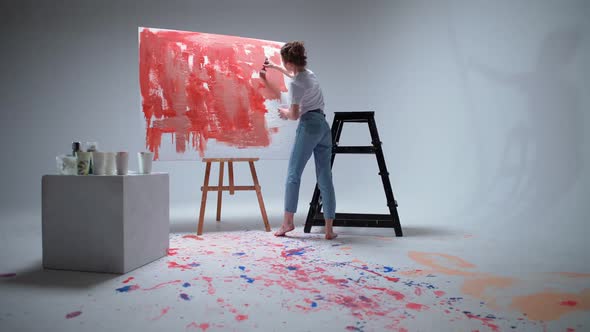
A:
(313, 135)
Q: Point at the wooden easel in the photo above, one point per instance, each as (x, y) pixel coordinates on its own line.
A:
(220, 188)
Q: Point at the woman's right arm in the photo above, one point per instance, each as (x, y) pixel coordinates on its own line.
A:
(279, 68)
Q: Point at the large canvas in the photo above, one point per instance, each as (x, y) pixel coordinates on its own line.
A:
(202, 96)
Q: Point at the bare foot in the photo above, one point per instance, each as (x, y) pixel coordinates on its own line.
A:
(331, 236)
(284, 229)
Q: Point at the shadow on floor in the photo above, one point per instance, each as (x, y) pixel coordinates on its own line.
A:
(36, 276)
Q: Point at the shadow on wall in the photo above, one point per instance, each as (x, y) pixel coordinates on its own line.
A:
(542, 155)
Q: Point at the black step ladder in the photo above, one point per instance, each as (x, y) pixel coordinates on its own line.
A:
(316, 218)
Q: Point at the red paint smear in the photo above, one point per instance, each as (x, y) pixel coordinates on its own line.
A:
(569, 303)
(162, 285)
(379, 274)
(209, 280)
(485, 321)
(128, 280)
(215, 97)
(73, 314)
(416, 306)
(418, 291)
(241, 317)
(202, 326)
(162, 313)
(439, 293)
(569, 329)
(174, 265)
(172, 251)
(397, 295)
(194, 237)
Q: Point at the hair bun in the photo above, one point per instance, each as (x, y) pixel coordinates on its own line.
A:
(294, 52)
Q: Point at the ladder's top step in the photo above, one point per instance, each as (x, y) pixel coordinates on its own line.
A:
(354, 115)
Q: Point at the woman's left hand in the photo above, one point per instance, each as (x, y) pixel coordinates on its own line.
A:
(284, 113)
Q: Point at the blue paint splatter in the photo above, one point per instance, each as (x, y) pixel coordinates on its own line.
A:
(186, 285)
(249, 280)
(194, 264)
(291, 268)
(388, 269)
(239, 253)
(185, 297)
(314, 304)
(243, 268)
(127, 289)
(294, 252)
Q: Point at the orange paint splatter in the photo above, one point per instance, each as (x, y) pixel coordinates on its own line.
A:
(485, 287)
(573, 274)
(443, 263)
(548, 306)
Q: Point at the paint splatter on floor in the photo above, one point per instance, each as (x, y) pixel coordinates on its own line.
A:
(73, 314)
(246, 280)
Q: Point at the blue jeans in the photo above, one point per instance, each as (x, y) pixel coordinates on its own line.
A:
(313, 135)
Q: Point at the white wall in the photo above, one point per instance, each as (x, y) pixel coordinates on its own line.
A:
(482, 105)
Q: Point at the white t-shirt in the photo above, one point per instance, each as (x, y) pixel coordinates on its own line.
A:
(306, 92)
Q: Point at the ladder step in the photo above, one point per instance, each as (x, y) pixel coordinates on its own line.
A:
(356, 220)
(353, 149)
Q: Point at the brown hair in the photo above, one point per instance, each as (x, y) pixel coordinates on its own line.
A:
(294, 52)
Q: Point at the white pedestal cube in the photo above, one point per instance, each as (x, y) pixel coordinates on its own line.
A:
(111, 224)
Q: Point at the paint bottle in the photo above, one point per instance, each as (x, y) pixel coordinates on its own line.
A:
(76, 147)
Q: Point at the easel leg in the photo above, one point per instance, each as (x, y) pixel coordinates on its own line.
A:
(230, 165)
(219, 191)
(259, 195)
(204, 199)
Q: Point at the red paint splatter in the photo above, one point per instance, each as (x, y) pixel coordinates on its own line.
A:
(569, 303)
(569, 329)
(128, 280)
(485, 321)
(416, 306)
(241, 317)
(439, 293)
(418, 291)
(73, 314)
(397, 295)
(183, 267)
(198, 86)
(194, 237)
(172, 251)
(162, 285)
(376, 273)
(162, 313)
(202, 326)
(209, 280)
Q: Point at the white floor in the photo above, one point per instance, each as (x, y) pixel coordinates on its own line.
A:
(236, 277)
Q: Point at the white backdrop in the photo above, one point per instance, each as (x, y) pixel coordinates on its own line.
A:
(482, 105)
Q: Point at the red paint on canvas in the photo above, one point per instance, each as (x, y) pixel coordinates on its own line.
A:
(198, 86)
